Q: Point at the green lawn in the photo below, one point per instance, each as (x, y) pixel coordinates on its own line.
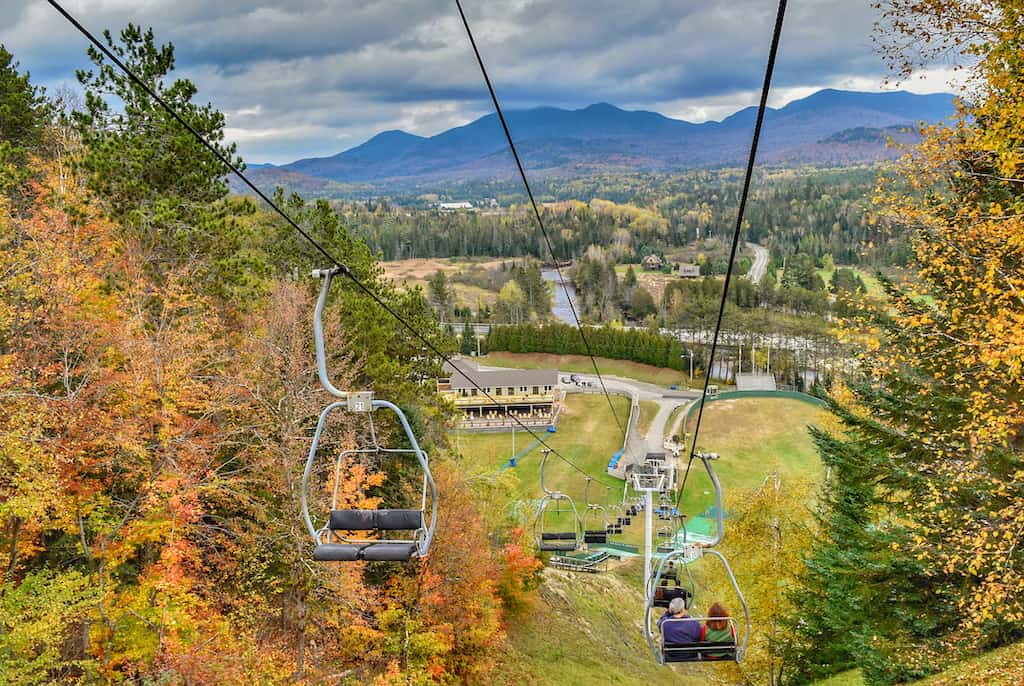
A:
(850, 678)
(581, 364)
(871, 282)
(586, 630)
(752, 436)
(587, 436)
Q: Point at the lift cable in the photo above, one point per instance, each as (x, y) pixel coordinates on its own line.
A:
(761, 109)
(536, 210)
(340, 266)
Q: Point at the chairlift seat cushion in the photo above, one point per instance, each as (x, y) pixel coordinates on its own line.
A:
(558, 536)
(353, 552)
(595, 536)
(557, 547)
(699, 652)
(382, 520)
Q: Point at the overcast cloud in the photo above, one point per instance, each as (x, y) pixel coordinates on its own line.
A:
(299, 78)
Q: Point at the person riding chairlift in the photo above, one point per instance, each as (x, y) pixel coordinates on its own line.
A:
(673, 631)
(717, 630)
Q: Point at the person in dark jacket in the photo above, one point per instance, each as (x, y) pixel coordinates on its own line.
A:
(676, 626)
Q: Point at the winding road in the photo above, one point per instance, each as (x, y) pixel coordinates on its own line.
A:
(637, 446)
(760, 266)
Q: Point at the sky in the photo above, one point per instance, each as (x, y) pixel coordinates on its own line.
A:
(304, 78)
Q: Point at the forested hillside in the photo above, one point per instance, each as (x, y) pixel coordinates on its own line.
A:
(159, 397)
(158, 393)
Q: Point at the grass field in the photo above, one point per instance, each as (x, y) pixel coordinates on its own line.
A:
(752, 436)
(874, 287)
(587, 436)
(586, 630)
(851, 678)
(581, 364)
(416, 272)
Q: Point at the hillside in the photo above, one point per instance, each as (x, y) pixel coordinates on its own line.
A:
(603, 137)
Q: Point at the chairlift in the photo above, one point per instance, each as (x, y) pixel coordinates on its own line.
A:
(663, 593)
(700, 651)
(694, 652)
(561, 540)
(615, 515)
(350, 535)
(592, 511)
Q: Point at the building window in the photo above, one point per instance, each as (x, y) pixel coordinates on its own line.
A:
(522, 389)
(547, 388)
(472, 392)
(511, 390)
(536, 390)
(497, 391)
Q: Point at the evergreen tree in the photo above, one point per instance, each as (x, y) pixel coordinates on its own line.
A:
(149, 170)
(23, 116)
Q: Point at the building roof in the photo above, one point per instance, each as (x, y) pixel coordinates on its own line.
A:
(502, 378)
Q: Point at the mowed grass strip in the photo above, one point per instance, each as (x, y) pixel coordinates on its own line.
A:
(753, 437)
(581, 364)
(648, 411)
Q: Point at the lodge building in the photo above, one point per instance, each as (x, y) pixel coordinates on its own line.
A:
(531, 395)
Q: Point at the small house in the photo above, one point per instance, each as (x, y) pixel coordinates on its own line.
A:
(653, 263)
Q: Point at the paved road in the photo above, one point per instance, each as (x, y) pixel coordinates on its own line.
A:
(636, 445)
(760, 266)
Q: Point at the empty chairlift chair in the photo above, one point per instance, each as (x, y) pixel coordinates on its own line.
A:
(555, 538)
(350, 535)
(595, 519)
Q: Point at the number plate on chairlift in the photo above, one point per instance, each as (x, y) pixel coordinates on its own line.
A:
(360, 402)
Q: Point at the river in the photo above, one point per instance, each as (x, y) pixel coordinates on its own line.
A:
(563, 291)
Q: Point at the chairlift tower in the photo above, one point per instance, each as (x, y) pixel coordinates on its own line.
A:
(648, 483)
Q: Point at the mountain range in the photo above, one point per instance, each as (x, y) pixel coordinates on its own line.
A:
(829, 127)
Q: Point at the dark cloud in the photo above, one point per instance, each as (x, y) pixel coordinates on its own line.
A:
(304, 77)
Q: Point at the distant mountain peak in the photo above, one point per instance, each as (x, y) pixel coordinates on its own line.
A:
(603, 137)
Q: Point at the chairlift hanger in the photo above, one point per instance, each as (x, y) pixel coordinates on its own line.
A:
(666, 653)
(337, 540)
(560, 541)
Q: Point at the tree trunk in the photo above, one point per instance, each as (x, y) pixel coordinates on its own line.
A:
(300, 649)
(13, 558)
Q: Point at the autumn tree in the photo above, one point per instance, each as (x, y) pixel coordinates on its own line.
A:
(934, 421)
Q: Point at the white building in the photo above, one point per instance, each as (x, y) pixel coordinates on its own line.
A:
(453, 206)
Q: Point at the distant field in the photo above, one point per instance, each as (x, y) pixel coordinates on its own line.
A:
(654, 282)
(581, 364)
(752, 435)
(416, 272)
(587, 436)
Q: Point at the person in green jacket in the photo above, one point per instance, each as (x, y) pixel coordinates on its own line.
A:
(718, 629)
